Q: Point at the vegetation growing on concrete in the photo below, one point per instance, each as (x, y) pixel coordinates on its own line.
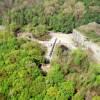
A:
(91, 31)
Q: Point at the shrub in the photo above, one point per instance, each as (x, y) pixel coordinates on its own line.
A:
(52, 93)
(67, 89)
(41, 32)
(96, 98)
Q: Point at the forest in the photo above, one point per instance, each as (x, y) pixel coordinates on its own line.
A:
(72, 75)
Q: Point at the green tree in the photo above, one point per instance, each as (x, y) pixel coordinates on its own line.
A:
(54, 76)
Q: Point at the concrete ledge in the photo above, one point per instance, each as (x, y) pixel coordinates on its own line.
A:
(83, 41)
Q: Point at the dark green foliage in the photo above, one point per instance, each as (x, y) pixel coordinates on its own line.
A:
(60, 22)
(57, 15)
(0, 20)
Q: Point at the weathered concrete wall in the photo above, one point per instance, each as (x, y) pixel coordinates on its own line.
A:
(92, 47)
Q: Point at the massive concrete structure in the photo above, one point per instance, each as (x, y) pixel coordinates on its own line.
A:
(82, 40)
(57, 39)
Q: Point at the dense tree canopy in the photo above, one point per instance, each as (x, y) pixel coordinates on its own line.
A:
(57, 15)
